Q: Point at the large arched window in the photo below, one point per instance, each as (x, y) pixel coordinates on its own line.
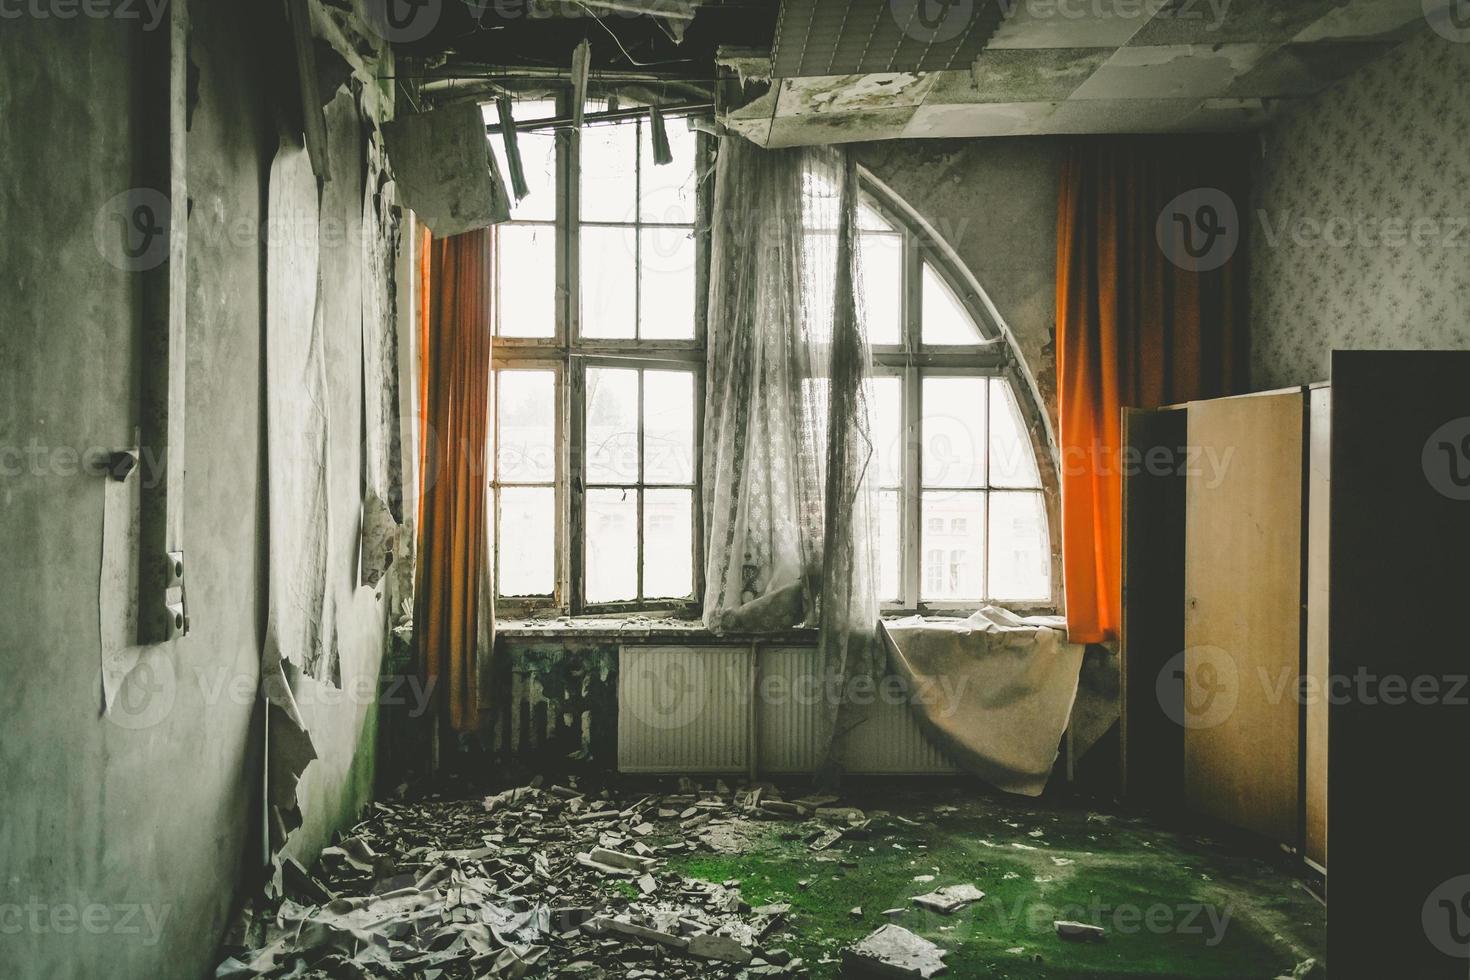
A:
(964, 517)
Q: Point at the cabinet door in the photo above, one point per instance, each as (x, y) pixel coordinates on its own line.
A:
(1243, 612)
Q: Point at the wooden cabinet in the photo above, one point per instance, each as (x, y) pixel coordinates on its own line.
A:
(1314, 668)
(1243, 616)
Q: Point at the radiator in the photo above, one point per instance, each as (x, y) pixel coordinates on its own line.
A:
(684, 709)
(724, 709)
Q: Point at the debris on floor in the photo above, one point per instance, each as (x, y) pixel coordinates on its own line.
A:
(517, 883)
(1080, 932)
(893, 951)
(950, 898)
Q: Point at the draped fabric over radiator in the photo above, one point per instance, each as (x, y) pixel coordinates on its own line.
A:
(995, 691)
(788, 447)
(453, 610)
(1151, 310)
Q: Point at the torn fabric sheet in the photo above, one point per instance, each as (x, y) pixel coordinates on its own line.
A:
(300, 628)
(117, 590)
(289, 748)
(994, 691)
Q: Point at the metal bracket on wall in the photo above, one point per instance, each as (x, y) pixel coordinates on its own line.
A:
(162, 613)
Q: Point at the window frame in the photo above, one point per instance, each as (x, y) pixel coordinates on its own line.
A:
(912, 361)
(572, 354)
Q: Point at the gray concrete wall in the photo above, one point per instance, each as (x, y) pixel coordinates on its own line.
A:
(122, 844)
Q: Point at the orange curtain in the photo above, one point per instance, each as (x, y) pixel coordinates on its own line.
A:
(1151, 310)
(454, 400)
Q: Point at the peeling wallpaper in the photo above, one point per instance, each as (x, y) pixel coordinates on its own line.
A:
(1361, 230)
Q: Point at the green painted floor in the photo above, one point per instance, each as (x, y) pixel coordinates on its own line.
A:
(1172, 906)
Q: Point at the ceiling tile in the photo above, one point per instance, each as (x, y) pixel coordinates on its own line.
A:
(1067, 23)
(1364, 20)
(979, 119)
(1231, 21)
(1028, 74)
(851, 93)
(835, 37)
(839, 127)
(1175, 71)
(1123, 116)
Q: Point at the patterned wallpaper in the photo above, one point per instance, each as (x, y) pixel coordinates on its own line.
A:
(1361, 230)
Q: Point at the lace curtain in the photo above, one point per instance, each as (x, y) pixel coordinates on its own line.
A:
(788, 446)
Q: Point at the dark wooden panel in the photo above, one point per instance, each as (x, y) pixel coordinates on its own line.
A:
(1243, 612)
(1153, 603)
(1400, 580)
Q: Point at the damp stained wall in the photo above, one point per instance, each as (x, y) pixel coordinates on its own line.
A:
(122, 845)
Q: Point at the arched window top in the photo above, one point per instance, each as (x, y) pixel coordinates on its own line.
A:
(965, 513)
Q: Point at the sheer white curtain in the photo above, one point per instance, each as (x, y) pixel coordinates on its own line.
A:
(788, 446)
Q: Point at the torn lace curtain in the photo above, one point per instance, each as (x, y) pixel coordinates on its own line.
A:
(788, 449)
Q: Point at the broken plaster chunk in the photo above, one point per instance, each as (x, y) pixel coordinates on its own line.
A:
(949, 899)
(619, 859)
(1080, 932)
(893, 951)
(713, 946)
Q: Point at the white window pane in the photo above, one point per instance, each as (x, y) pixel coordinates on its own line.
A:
(954, 431)
(1012, 460)
(526, 288)
(612, 425)
(668, 190)
(666, 283)
(953, 562)
(668, 426)
(609, 172)
(882, 273)
(871, 219)
(612, 545)
(527, 541)
(1020, 553)
(885, 407)
(668, 544)
(609, 284)
(890, 554)
(525, 423)
(945, 321)
(538, 159)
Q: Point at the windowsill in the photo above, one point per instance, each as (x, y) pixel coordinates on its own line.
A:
(641, 627)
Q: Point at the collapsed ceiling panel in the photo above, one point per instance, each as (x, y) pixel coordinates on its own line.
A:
(837, 37)
(846, 72)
